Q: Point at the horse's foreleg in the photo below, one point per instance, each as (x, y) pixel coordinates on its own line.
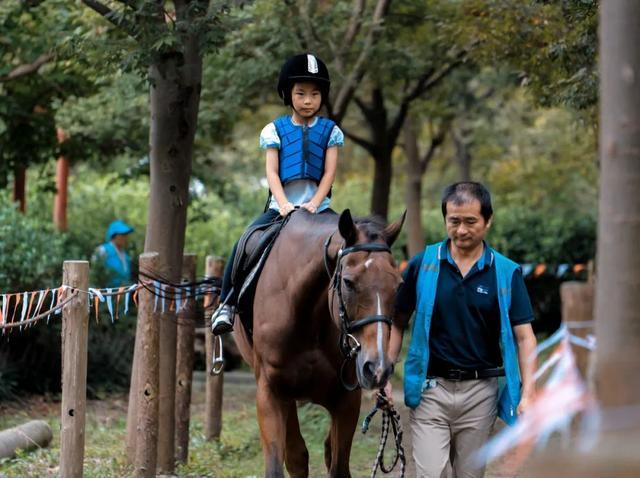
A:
(296, 456)
(344, 419)
(272, 418)
(327, 449)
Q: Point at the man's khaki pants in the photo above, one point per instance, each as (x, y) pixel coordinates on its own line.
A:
(452, 421)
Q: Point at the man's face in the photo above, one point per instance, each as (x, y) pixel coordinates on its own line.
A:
(465, 225)
(120, 240)
(306, 99)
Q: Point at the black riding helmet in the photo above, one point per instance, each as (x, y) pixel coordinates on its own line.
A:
(303, 68)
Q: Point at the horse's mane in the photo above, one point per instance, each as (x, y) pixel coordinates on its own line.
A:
(373, 226)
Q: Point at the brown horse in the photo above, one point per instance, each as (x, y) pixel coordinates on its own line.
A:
(322, 315)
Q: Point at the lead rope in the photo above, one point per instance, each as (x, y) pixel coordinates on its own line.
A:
(390, 418)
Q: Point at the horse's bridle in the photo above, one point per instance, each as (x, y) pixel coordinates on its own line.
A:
(349, 345)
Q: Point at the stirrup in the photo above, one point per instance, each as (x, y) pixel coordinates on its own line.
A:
(217, 361)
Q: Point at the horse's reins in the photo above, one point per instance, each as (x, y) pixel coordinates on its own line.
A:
(349, 345)
(390, 418)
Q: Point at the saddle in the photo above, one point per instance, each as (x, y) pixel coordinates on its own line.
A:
(251, 254)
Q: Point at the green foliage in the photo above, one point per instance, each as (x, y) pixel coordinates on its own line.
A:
(147, 31)
(237, 454)
(31, 253)
(28, 101)
(534, 236)
(552, 45)
(110, 127)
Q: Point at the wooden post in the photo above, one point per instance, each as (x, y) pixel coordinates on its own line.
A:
(75, 330)
(184, 366)
(214, 267)
(132, 409)
(167, 391)
(577, 307)
(148, 378)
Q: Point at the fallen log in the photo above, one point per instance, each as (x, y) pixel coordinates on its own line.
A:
(30, 435)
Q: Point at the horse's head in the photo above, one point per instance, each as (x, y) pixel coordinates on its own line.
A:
(363, 295)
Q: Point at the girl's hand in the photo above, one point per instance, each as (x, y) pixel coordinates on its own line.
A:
(286, 208)
(309, 206)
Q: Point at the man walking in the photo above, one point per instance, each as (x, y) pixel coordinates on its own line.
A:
(472, 325)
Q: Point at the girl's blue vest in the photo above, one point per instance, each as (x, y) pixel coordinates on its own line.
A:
(302, 148)
(415, 369)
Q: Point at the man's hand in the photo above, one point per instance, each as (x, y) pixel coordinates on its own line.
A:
(286, 208)
(388, 391)
(525, 401)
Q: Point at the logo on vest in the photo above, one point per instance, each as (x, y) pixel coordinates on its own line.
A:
(482, 290)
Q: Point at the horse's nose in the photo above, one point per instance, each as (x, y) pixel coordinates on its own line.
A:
(376, 373)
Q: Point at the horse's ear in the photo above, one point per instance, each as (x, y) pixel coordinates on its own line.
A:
(347, 228)
(392, 230)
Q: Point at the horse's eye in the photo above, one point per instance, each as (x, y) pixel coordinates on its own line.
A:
(349, 284)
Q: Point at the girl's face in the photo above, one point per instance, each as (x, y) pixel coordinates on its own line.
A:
(306, 100)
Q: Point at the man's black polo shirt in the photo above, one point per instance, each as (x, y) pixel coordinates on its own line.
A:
(465, 326)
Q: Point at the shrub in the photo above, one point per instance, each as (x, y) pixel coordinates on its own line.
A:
(31, 252)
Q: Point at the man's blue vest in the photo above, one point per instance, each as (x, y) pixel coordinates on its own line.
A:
(415, 369)
(119, 267)
(302, 148)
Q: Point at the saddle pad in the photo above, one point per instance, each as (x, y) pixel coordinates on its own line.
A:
(254, 248)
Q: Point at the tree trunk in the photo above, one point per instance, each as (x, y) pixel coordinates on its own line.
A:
(20, 188)
(463, 156)
(174, 100)
(60, 199)
(381, 184)
(618, 263)
(617, 302)
(415, 235)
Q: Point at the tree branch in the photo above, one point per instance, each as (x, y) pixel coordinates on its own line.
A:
(339, 107)
(27, 69)
(367, 112)
(359, 141)
(355, 22)
(304, 28)
(434, 77)
(427, 81)
(111, 16)
(436, 141)
(129, 3)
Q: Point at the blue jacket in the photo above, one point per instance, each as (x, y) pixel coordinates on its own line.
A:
(415, 370)
(118, 264)
(302, 148)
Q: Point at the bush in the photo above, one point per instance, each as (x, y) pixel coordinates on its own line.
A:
(533, 236)
(31, 252)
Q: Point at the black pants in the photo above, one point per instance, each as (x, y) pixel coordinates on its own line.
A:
(269, 216)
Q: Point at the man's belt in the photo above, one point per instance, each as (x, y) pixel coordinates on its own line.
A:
(457, 374)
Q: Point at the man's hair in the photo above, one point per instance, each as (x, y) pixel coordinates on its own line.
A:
(465, 192)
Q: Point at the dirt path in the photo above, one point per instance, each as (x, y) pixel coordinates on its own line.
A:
(239, 387)
(239, 396)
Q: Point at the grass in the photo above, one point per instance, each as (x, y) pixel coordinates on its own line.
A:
(237, 455)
